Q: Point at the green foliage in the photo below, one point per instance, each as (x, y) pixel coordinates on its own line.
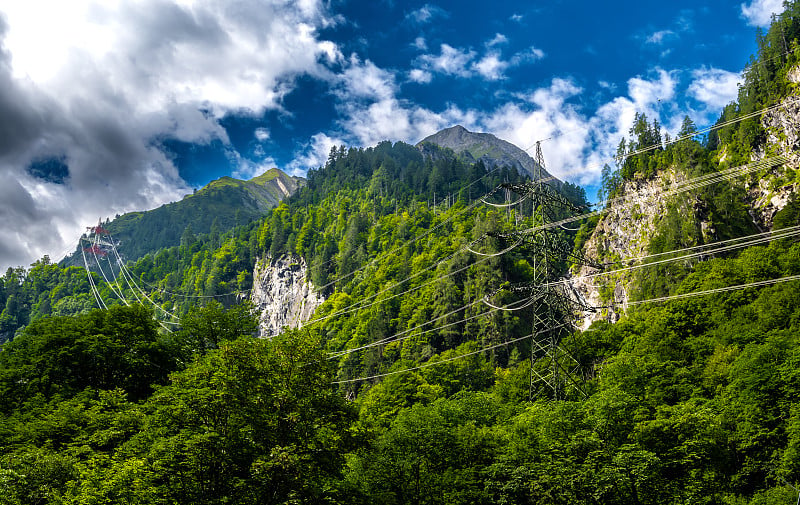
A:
(432, 454)
(636, 156)
(60, 356)
(255, 421)
(204, 328)
(44, 289)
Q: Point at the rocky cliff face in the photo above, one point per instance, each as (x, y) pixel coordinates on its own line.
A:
(624, 232)
(283, 294)
(767, 195)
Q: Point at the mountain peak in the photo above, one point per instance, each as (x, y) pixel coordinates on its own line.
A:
(473, 147)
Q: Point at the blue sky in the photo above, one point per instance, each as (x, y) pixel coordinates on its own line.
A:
(113, 106)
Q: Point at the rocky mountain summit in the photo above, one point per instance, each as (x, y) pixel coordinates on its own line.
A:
(472, 147)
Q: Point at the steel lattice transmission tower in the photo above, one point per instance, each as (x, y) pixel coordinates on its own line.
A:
(550, 298)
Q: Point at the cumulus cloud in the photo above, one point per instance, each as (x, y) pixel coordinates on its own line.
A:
(578, 142)
(314, 154)
(371, 110)
(449, 61)
(420, 76)
(659, 36)
(759, 12)
(465, 63)
(426, 14)
(498, 39)
(491, 67)
(645, 92)
(715, 87)
(261, 134)
(365, 81)
(118, 77)
(546, 113)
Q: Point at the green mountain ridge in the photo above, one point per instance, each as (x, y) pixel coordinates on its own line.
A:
(219, 206)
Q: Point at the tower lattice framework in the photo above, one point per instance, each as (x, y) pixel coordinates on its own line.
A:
(553, 303)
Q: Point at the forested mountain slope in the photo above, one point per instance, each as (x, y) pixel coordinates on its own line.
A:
(220, 206)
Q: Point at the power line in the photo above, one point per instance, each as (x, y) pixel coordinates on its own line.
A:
(361, 305)
(680, 296)
(182, 295)
(430, 363)
(411, 241)
(420, 236)
(690, 184)
(410, 332)
(651, 300)
(116, 288)
(714, 248)
(614, 205)
(627, 202)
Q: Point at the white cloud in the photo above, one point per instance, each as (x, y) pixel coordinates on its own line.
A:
(547, 114)
(464, 62)
(491, 67)
(314, 154)
(365, 81)
(498, 39)
(261, 134)
(681, 25)
(156, 52)
(532, 54)
(659, 36)
(715, 87)
(613, 119)
(420, 44)
(450, 61)
(578, 142)
(148, 70)
(759, 12)
(607, 85)
(645, 93)
(516, 18)
(426, 14)
(420, 76)
(393, 119)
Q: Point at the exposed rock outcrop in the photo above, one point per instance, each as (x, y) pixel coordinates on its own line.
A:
(624, 233)
(768, 195)
(283, 294)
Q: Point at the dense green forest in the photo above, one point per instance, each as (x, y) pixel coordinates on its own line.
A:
(404, 387)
